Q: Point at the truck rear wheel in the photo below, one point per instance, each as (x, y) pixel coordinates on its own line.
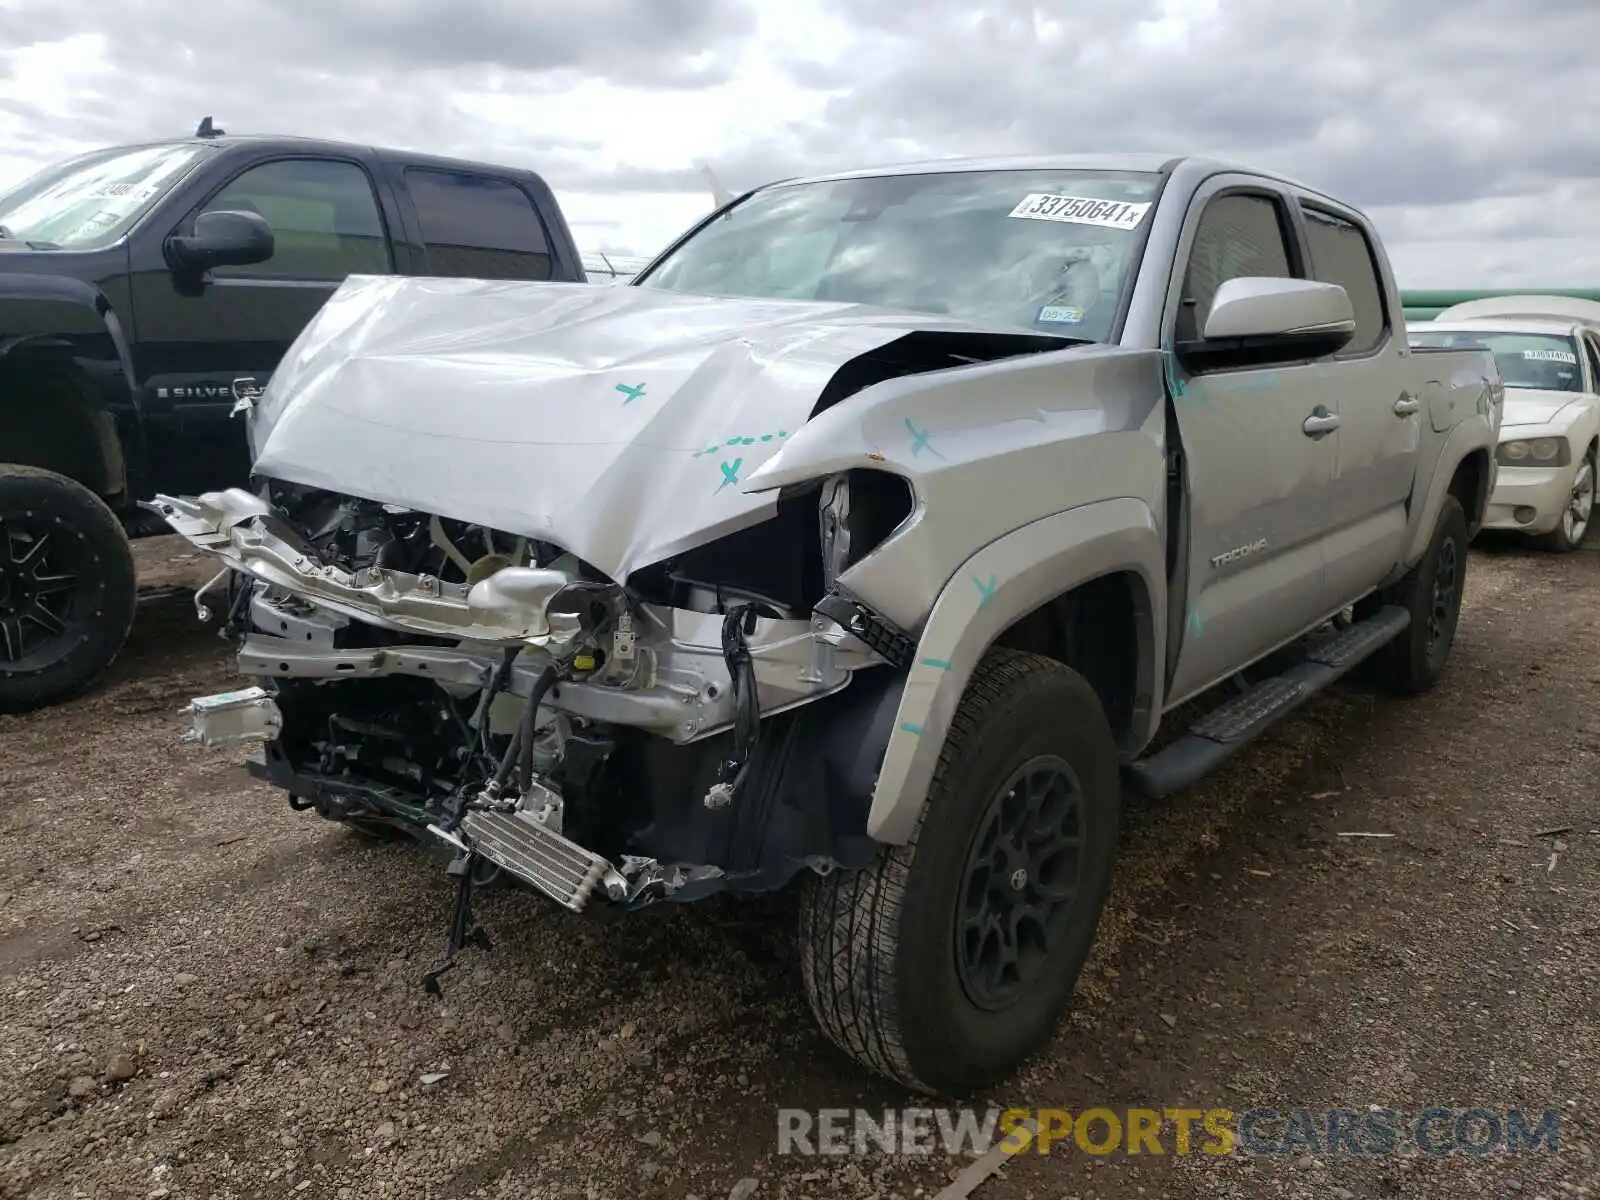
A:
(949, 960)
(67, 588)
(1431, 592)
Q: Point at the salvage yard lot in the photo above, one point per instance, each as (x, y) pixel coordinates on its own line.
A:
(205, 994)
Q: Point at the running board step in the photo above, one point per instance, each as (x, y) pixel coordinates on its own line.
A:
(1222, 731)
(519, 843)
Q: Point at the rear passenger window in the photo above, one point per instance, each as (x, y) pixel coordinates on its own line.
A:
(477, 227)
(1340, 253)
(1239, 235)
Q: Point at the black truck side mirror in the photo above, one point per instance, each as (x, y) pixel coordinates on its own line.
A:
(221, 239)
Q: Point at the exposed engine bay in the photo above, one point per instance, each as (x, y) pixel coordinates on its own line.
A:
(499, 696)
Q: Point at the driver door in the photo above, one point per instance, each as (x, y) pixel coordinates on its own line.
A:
(203, 344)
(1259, 483)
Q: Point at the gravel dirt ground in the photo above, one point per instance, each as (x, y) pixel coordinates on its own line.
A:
(204, 994)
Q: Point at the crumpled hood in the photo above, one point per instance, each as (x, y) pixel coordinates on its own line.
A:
(1533, 406)
(615, 422)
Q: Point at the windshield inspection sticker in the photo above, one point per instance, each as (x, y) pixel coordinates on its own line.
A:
(1059, 314)
(1560, 356)
(1080, 210)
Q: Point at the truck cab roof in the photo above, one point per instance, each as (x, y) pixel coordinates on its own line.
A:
(291, 144)
(1151, 163)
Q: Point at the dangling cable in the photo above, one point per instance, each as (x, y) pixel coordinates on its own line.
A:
(464, 930)
(530, 718)
(737, 625)
(497, 684)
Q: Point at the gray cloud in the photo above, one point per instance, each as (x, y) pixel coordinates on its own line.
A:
(370, 71)
(660, 43)
(1429, 102)
(1408, 109)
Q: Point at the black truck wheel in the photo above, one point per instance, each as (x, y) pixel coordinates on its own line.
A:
(949, 960)
(1431, 592)
(67, 588)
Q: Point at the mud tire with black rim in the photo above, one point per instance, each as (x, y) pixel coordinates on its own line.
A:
(1431, 592)
(67, 588)
(914, 966)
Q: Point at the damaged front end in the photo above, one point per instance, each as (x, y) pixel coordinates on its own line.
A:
(500, 698)
(519, 580)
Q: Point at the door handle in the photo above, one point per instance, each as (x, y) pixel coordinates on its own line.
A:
(1406, 405)
(1320, 423)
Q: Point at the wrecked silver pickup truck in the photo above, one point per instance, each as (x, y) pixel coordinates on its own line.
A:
(862, 541)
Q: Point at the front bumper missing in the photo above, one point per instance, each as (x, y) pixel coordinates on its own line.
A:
(240, 529)
(247, 717)
(516, 841)
(522, 845)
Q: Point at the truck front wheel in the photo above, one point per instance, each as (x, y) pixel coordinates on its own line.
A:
(67, 588)
(949, 960)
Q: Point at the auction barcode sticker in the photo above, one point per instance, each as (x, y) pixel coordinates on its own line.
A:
(1080, 210)
(137, 192)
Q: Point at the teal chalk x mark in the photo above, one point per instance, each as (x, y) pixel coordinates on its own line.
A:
(937, 663)
(1197, 623)
(741, 440)
(985, 590)
(919, 441)
(632, 392)
(914, 730)
(730, 473)
(1174, 383)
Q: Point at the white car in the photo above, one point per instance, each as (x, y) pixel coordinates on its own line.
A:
(1548, 351)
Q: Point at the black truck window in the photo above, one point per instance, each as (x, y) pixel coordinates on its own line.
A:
(324, 217)
(478, 227)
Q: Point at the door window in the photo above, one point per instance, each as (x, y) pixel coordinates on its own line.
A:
(1341, 254)
(1240, 235)
(324, 217)
(478, 227)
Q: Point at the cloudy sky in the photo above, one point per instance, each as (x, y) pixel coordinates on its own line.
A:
(1463, 127)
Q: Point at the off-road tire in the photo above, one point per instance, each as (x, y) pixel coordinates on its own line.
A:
(877, 946)
(101, 605)
(1557, 540)
(1413, 662)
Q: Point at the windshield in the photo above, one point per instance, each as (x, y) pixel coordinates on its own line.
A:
(1042, 250)
(94, 199)
(1546, 361)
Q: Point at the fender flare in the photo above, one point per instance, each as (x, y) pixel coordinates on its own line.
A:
(61, 319)
(1468, 437)
(1004, 581)
(66, 295)
(71, 295)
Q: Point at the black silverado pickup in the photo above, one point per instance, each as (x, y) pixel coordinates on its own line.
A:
(146, 292)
